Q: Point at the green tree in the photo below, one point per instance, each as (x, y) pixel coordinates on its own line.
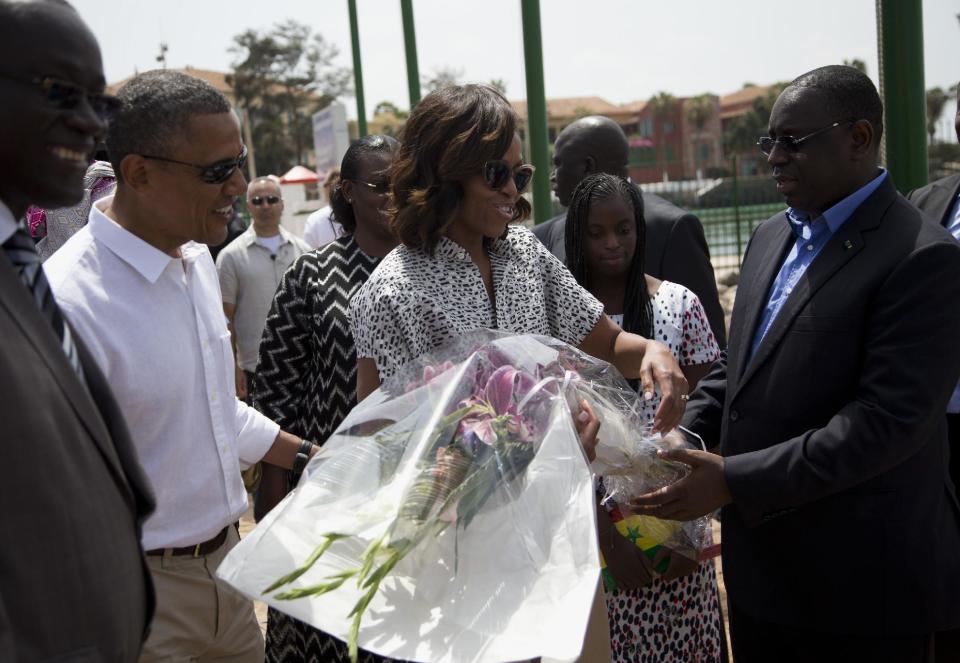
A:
(499, 85)
(281, 77)
(936, 100)
(442, 78)
(699, 110)
(390, 108)
(856, 63)
(741, 133)
(662, 105)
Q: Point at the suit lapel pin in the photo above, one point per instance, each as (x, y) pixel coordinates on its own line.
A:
(847, 245)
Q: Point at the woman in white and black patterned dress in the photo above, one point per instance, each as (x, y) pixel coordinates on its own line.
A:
(305, 378)
(461, 265)
(673, 618)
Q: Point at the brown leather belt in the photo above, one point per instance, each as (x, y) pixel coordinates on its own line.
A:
(198, 550)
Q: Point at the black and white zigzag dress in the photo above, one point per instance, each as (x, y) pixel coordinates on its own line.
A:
(306, 382)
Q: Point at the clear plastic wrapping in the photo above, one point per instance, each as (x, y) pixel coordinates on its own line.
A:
(451, 516)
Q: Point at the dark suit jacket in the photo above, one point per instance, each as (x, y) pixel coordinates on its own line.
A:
(937, 198)
(676, 250)
(73, 581)
(844, 518)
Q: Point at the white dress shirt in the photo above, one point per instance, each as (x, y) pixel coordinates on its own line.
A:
(320, 228)
(156, 327)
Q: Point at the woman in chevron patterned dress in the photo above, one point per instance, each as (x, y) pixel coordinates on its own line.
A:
(306, 375)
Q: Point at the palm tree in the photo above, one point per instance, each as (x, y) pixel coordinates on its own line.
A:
(699, 110)
(663, 105)
(936, 100)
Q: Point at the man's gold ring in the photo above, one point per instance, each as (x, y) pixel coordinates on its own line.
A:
(684, 397)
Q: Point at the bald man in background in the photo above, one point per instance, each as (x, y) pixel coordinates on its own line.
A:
(676, 249)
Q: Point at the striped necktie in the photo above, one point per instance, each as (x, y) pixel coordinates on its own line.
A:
(20, 250)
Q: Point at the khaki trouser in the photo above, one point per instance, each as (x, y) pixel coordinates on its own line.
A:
(199, 617)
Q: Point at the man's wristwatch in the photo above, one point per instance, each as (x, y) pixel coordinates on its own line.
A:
(300, 461)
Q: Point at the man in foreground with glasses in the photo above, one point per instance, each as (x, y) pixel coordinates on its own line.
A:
(73, 582)
(250, 268)
(141, 288)
(841, 528)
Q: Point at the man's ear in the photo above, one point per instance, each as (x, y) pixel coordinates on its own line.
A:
(135, 172)
(861, 138)
(590, 165)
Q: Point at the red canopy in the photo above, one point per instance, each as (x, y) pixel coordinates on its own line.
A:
(299, 175)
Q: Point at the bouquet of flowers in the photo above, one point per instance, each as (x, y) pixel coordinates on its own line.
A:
(451, 515)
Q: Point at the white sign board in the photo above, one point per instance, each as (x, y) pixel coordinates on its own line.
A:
(330, 136)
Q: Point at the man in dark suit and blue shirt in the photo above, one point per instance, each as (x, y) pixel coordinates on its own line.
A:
(841, 528)
(73, 582)
(940, 200)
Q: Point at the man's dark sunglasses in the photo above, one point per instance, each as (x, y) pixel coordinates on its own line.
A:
(216, 173)
(497, 173)
(64, 95)
(791, 144)
(257, 201)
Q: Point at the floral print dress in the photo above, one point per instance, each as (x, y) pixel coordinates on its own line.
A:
(676, 621)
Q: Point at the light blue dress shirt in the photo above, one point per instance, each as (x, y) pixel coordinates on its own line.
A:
(811, 236)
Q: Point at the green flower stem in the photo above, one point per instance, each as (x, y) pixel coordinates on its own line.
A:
(336, 580)
(322, 548)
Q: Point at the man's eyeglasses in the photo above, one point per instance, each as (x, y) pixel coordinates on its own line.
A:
(791, 144)
(64, 95)
(216, 173)
(497, 173)
(257, 201)
(379, 188)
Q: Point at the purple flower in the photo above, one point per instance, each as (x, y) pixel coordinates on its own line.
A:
(507, 387)
(477, 428)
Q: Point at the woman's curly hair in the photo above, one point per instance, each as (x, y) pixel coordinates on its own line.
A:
(448, 137)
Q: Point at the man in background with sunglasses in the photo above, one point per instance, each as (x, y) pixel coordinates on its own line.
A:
(841, 527)
(250, 268)
(140, 286)
(73, 581)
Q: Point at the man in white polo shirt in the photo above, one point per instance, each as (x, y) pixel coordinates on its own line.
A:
(250, 269)
(141, 289)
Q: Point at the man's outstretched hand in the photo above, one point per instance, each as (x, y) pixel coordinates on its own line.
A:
(701, 492)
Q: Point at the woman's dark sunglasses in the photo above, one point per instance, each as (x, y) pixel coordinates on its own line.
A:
(257, 201)
(216, 173)
(378, 188)
(497, 173)
(64, 95)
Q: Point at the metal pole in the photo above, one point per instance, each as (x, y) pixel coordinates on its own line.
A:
(536, 108)
(900, 46)
(357, 69)
(410, 45)
(248, 139)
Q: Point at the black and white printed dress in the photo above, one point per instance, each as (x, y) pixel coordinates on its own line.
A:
(306, 382)
(416, 302)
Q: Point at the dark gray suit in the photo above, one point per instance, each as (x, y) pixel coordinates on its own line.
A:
(676, 250)
(73, 582)
(844, 519)
(937, 198)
